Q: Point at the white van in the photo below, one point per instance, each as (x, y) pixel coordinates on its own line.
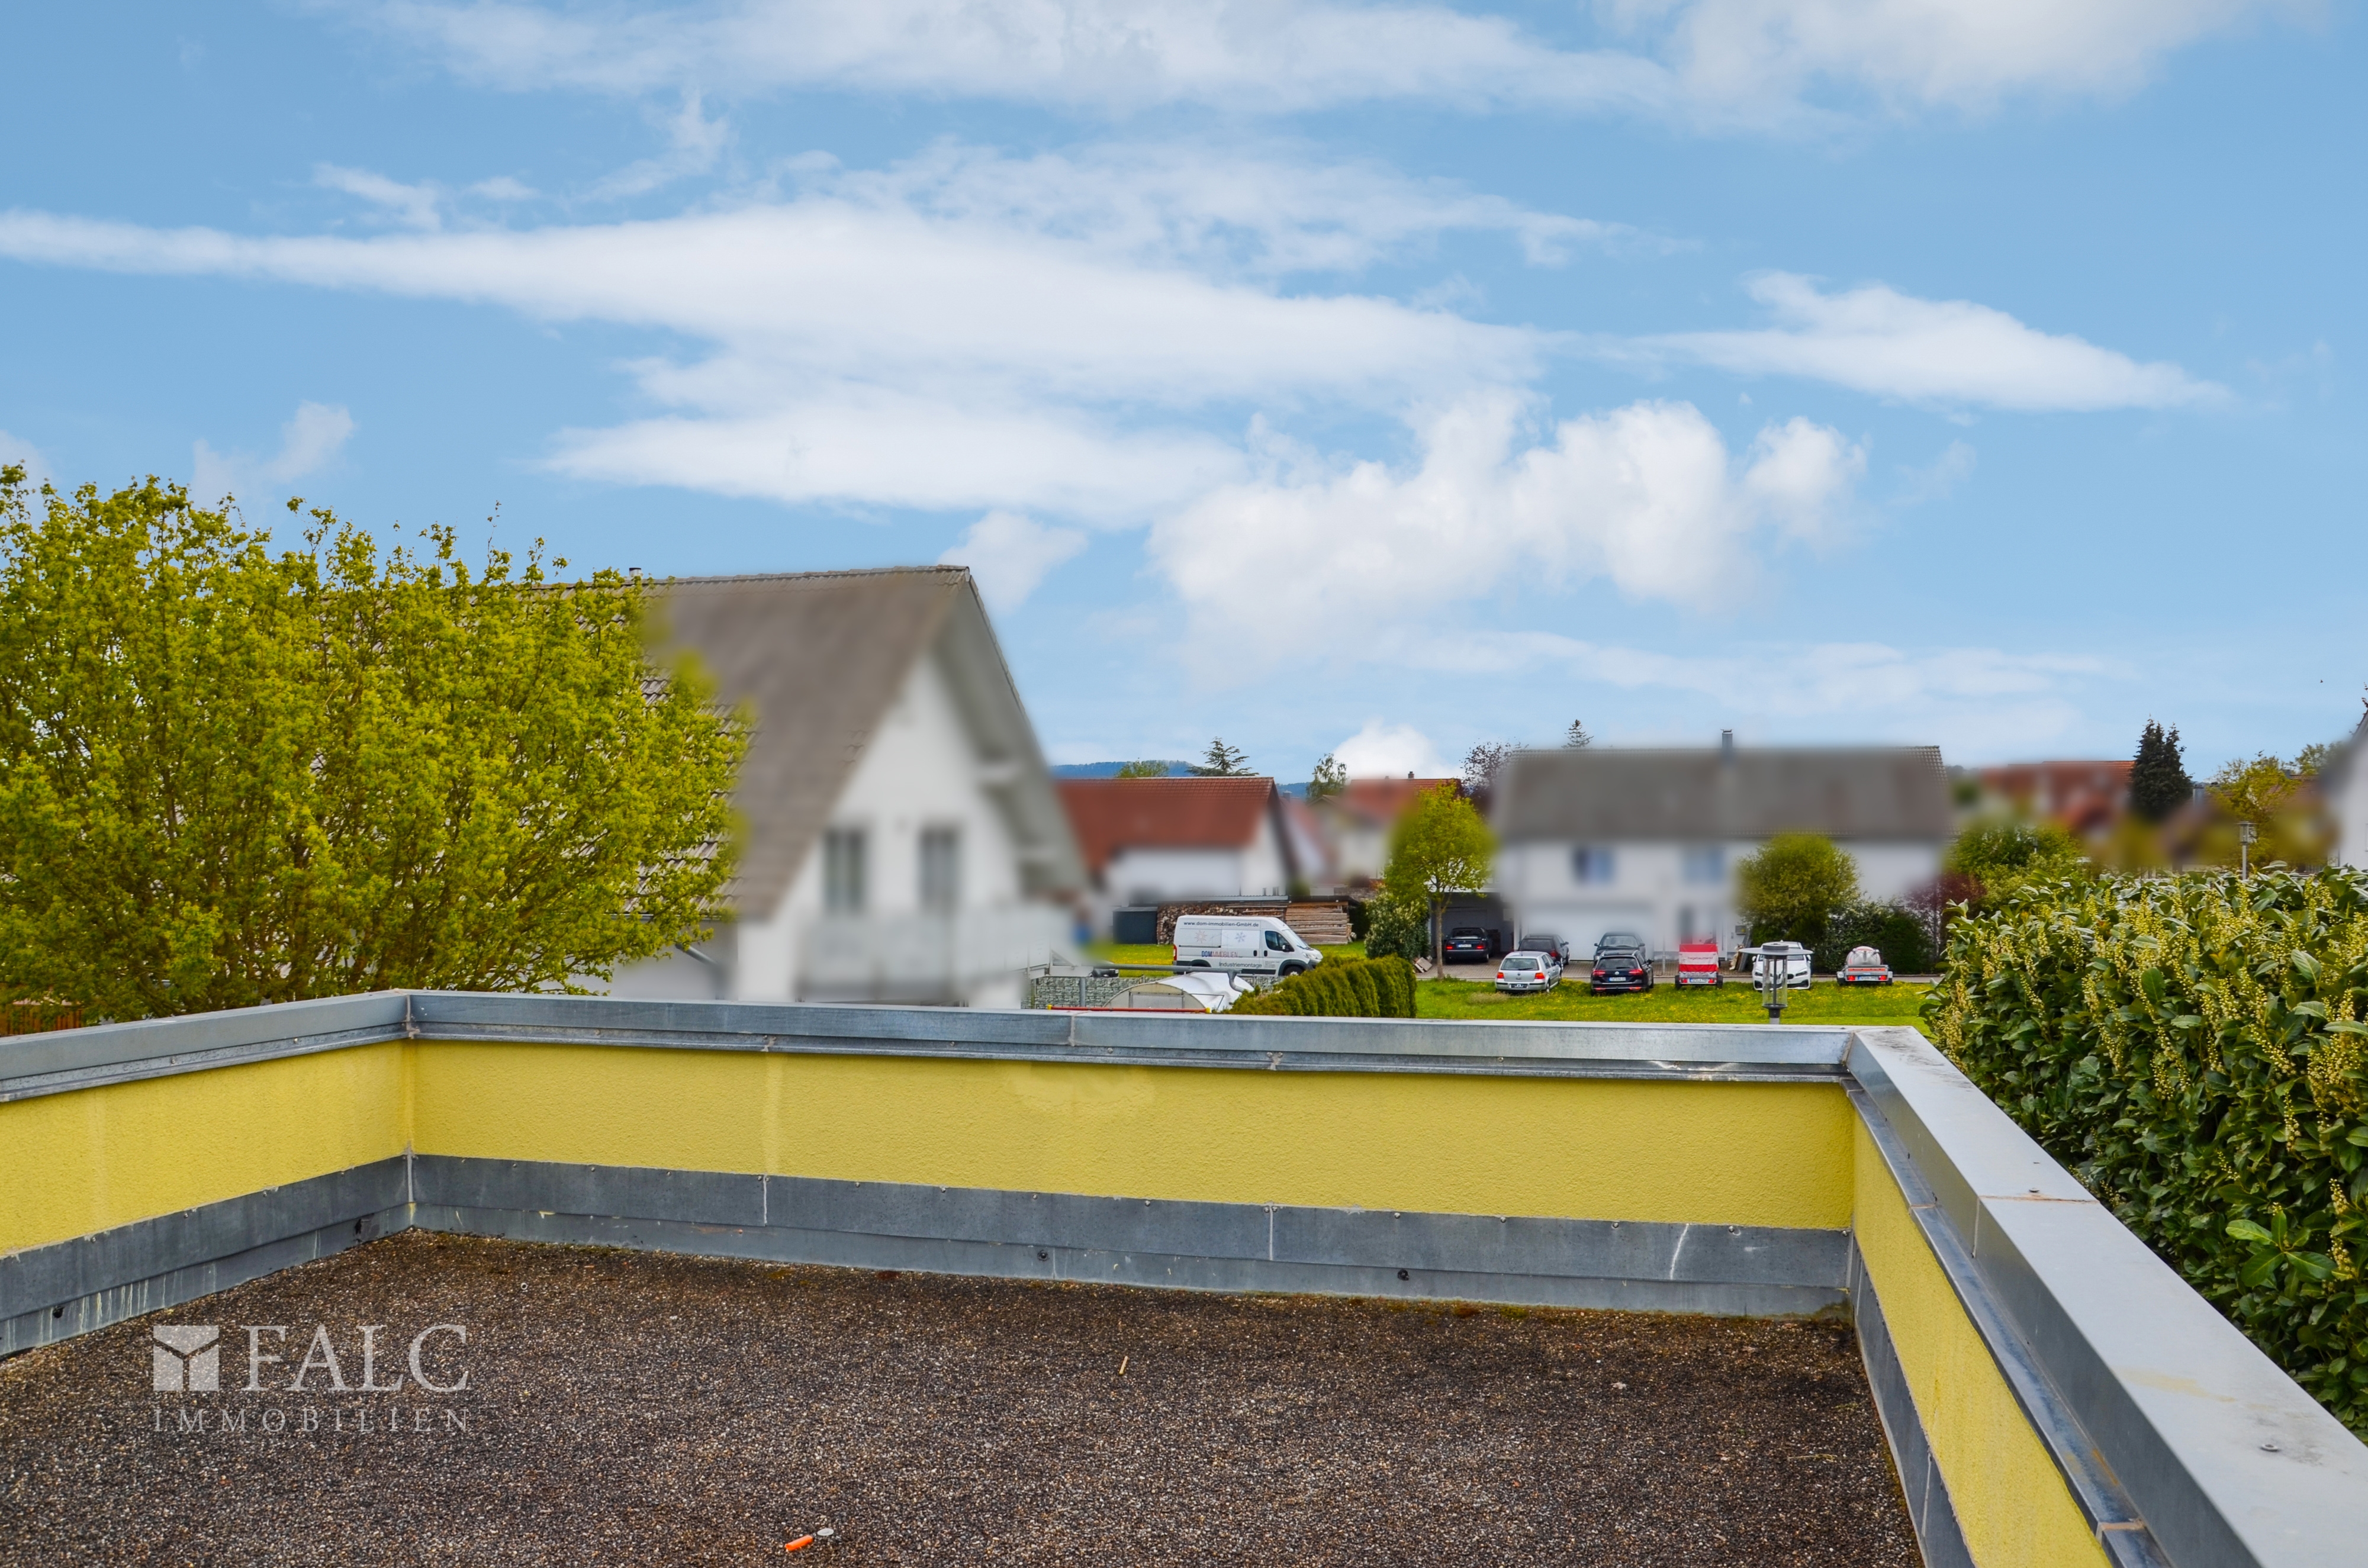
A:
(1251, 943)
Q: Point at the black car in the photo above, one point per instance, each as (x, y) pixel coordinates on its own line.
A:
(1467, 944)
(1544, 942)
(1620, 968)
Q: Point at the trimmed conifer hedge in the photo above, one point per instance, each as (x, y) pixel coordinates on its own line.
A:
(1340, 988)
(2192, 1049)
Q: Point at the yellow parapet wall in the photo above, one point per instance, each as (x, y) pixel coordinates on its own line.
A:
(92, 1159)
(2011, 1500)
(1737, 1153)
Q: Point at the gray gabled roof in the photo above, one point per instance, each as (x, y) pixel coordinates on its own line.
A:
(1603, 793)
(816, 659)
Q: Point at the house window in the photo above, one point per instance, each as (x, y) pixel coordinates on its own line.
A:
(941, 868)
(842, 870)
(1705, 863)
(1590, 863)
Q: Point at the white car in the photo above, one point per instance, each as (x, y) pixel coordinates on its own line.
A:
(1529, 971)
(1246, 944)
(1792, 956)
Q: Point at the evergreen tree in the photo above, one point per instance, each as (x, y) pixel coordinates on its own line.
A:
(1576, 738)
(1223, 762)
(2158, 780)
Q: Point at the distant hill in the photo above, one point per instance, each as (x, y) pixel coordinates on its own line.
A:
(1109, 769)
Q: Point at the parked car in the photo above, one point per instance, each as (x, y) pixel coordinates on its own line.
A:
(1622, 969)
(1254, 944)
(1529, 969)
(1622, 941)
(1467, 944)
(1544, 942)
(1792, 959)
(1698, 963)
(1863, 967)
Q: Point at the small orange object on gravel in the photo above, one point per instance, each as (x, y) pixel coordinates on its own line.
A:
(798, 1545)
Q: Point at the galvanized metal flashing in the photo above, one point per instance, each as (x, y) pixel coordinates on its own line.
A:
(1930, 1508)
(70, 1287)
(78, 1059)
(53, 1292)
(2178, 1436)
(1734, 1271)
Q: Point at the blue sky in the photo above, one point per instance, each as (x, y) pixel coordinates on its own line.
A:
(1372, 378)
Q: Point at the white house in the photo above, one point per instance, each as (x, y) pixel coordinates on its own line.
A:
(1149, 841)
(1597, 839)
(900, 836)
(2343, 796)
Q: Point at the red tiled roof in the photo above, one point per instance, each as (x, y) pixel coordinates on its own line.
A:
(2085, 796)
(1111, 815)
(1385, 800)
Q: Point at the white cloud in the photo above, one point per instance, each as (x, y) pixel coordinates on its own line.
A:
(309, 442)
(1875, 339)
(1274, 56)
(1391, 751)
(1225, 210)
(1962, 52)
(1720, 62)
(1982, 701)
(1010, 554)
(413, 206)
(916, 338)
(1645, 496)
(503, 188)
(1942, 479)
(693, 145)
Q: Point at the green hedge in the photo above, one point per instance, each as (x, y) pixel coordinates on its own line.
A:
(1340, 988)
(2192, 1048)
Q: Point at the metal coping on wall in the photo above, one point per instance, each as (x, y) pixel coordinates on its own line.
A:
(80, 1059)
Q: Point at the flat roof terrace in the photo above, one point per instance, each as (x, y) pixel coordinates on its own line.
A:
(646, 1408)
(2048, 1392)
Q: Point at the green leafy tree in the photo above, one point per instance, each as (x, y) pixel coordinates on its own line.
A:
(2263, 792)
(1329, 778)
(230, 777)
(1794, 885)
(1439, 847)
(1223, 762)
(2158, 780)
(2002, 854)
(1143, 770)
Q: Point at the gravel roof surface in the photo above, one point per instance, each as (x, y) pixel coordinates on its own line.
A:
(627, 1408)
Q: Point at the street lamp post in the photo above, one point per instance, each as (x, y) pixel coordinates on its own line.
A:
(2245, 834)
(1775, 975)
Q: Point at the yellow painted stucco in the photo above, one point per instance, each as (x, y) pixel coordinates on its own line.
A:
(1786, 1155)
(2011, 1501)
(1592, 1148)
(96, 1158)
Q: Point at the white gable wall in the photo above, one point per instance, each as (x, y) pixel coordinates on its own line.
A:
(1663, 890)
(1150, 875)
(919, 770)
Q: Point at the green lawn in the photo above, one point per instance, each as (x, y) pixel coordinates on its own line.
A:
(1823, 1003)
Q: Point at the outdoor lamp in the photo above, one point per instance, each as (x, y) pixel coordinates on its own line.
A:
(2245, 834)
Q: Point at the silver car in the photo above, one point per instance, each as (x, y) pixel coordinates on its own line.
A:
(1529, 971)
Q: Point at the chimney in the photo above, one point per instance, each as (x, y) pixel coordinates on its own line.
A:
(1726, 746)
